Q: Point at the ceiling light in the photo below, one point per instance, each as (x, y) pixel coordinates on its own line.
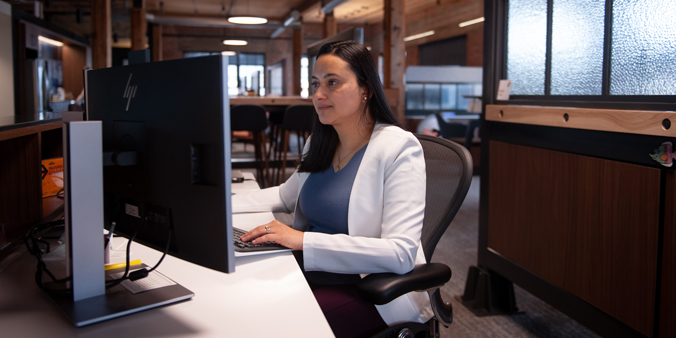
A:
(471, 22)
(229, 53)
(418, 36)
(50, 41)
(235, 42)
(247, 20)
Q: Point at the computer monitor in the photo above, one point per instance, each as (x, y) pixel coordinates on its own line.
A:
(166, 144)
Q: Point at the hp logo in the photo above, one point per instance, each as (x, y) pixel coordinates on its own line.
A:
(129, 92)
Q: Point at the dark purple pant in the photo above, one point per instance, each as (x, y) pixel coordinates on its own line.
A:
(347, 314)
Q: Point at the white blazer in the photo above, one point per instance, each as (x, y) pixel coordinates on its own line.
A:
(385, 217)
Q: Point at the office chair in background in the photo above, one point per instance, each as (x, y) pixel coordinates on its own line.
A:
(451, 130)
(252, 118)
(298, 119)
(449, 174)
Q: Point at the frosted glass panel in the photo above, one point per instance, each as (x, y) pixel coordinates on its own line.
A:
(643, 57)
(577, 47)
(526, 46)
(414, 96)
(432, 96)
(449, 94)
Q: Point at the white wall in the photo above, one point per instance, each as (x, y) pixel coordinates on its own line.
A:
(6, 61)
(460, 74)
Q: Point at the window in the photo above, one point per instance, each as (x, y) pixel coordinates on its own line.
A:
(428, 98)
(304, 84)
(245, 72)
(576, 48)
(276, 78)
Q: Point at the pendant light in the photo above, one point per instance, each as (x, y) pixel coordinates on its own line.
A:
(247, 19)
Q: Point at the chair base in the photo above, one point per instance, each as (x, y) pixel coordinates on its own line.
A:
(488, 294)
(415, 330)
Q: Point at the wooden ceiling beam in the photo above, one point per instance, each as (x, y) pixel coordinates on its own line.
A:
(307, 4)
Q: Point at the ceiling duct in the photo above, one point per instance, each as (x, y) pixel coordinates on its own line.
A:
(198, 21)
(293, 17)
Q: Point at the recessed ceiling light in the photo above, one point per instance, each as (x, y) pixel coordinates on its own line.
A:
(471, 22)
(235, 42)
(50, 41)
(247, 20)
(229, 53)
(418, 36)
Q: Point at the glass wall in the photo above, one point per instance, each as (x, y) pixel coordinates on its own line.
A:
(526, 46)
(643, 48)
(577, 47)
(570, 48)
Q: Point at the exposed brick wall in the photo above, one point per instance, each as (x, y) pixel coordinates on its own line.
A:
(475, 46)
(170, 50)
(412, 56)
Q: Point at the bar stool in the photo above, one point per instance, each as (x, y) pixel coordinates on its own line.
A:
(252, 118)
(298, 119)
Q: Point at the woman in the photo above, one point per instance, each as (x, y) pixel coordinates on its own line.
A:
(358, 195)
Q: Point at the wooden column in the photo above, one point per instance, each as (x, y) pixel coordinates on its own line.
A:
(296, 55)
(330, 26)
(394, 55)
(156, 48)
(139, 28)
(101, 34)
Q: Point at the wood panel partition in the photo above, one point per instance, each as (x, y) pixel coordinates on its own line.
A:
(585, 224)
(667, 325)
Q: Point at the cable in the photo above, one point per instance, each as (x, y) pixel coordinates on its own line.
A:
(166, 249)
(116, 282)
(32, 241)
(140, 273)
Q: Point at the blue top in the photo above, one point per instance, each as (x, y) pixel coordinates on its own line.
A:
(325, 197)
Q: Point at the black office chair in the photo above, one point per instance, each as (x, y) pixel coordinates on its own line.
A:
(450, 130)
(252, 118)
(298, 119)
(449, 174)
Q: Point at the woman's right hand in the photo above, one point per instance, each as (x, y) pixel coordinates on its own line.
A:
(275, 232)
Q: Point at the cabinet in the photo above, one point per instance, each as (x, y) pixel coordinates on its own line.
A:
(23, 144)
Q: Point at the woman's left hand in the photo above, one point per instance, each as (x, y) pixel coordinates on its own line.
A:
(276, 232)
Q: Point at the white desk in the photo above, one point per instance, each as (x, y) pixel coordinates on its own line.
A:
(267, 296)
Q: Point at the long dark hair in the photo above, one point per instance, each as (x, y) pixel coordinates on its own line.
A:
(324, 137)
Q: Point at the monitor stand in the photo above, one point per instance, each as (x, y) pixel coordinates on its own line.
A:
(118, 302)
(90, 302)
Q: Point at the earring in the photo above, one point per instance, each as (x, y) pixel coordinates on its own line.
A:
(364, 98)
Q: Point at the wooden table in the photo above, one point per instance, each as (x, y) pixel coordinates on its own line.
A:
(270, 100)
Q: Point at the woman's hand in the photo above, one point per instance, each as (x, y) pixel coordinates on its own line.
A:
(276, 232)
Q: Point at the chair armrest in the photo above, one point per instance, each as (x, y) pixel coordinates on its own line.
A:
(382, 288)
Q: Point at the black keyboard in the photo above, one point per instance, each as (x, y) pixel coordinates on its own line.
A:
(248, 246)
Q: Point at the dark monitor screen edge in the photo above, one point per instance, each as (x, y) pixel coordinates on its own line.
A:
(166, 143)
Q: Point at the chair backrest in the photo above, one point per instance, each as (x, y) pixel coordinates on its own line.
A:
(299, 117)
(249, 117)
(449, 174)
